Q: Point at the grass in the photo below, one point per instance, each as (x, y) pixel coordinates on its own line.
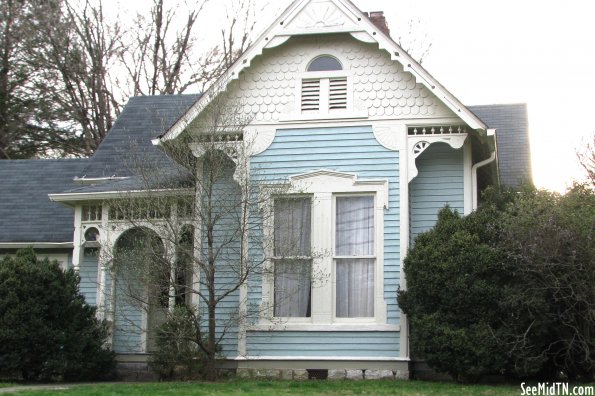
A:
(264, 388)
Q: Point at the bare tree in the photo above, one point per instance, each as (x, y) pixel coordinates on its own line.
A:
(415, 44)
(77, 50)
(586, 158)
(195, 219)
(161, 55)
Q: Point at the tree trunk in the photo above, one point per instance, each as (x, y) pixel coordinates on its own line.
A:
(210, 370)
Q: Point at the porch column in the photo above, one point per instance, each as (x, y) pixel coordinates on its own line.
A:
(103, 263)
(78, 250)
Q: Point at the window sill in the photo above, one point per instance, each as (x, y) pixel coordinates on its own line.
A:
(324, 327)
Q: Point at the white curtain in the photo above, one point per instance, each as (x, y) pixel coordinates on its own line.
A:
(292, 227)
(292, 288)
(355, 288)
(355, 226)
(292, 239)
(355, 237)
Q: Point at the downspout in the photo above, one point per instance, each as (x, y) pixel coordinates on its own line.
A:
(487, 161)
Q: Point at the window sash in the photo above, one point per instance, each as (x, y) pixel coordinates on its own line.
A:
(292, 262)
(355, 288)
(293, 288)
(293, 225)
(354, 226)
(354, 256)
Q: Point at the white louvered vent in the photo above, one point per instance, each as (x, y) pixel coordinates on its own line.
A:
(338, 93)
(311, 95)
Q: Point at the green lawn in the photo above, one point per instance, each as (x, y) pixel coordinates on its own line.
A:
(374, 387)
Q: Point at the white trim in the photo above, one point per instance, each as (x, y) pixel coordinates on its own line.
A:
(467, 178)
(92, 180)
(478, 165)
(335, 327)
(70, 197)
(78, 250)
(102, 264)
(359, 23)
(417, 144)
(324, 358)
(391, 136)
(404, 234)
(37, 245)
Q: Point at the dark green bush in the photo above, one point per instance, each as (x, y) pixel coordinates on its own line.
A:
(454, 288)
(508, 289)
(47, 331)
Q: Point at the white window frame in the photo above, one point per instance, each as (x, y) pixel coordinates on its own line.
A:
(324, 186)
(377, 248)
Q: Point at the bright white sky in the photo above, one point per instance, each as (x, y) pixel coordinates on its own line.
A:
(492, 52)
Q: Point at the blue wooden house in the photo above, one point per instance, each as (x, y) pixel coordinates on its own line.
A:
(368, 145)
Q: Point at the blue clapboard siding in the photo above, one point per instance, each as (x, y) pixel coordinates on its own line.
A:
(341, 344)
(440, 181)
(128, 315)
(344, 149)
(88, 273)
(226, 205)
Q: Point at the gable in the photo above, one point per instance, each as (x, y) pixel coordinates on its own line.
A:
(303, 18)
(270, 90)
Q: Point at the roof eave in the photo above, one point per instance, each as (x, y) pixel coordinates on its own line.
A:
(67, 198)
(36, 245)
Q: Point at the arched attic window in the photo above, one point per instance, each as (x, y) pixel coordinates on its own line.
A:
(324, 63)
(324, 86)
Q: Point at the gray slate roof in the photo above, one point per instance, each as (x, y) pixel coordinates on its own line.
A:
(26, 213)
(144, 118)
(512, 136)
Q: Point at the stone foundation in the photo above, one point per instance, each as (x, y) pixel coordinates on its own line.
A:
(135, 368)
(300, 374)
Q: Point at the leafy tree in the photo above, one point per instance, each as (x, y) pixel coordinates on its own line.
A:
(549, 241)
(29, 124)
(47, 331)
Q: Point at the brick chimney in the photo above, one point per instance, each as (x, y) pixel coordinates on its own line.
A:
(378, 19)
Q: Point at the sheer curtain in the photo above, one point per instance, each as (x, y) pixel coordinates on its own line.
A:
(292, 288)
(355, 275)
(292, 243)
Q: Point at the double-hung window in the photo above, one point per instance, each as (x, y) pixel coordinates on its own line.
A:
(354, 256)
(326, 266)
(292, 257)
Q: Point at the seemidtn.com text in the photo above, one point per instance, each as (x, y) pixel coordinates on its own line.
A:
(556, 389)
